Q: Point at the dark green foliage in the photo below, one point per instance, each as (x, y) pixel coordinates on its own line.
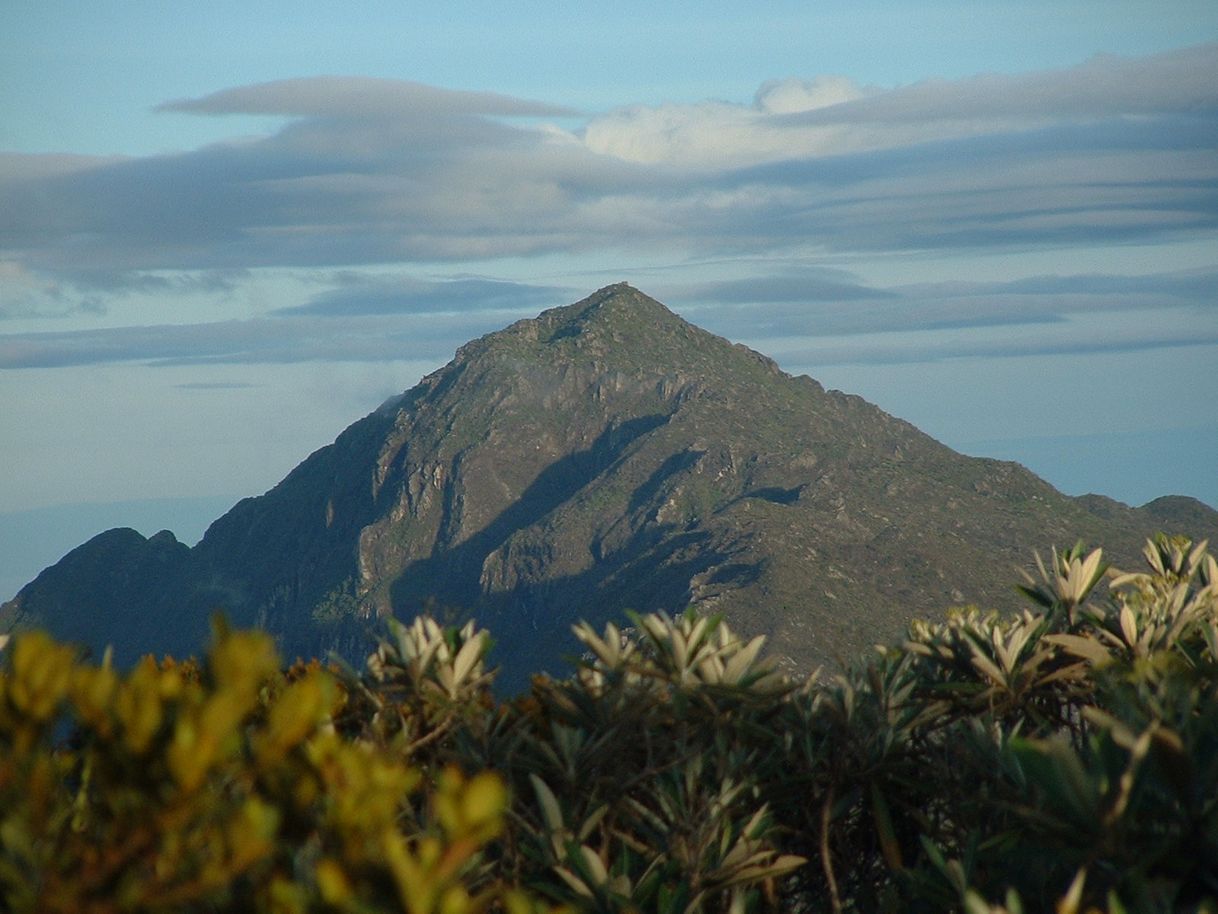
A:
(1065, 758)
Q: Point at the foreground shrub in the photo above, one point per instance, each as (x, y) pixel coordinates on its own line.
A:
(647, 768)
(1064, 758)
(223, 786)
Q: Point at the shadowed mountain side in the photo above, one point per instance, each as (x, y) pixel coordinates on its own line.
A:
(604, 456)
(457, 572)
(115, 590)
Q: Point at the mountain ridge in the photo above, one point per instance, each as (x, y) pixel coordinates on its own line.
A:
(603, 456)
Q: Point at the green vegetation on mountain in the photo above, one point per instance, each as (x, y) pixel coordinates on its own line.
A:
(605, 456)
(1064, 758)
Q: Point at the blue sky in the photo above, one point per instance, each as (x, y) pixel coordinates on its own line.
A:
(228, 230)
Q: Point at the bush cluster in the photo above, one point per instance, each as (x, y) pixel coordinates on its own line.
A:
(1065, 758)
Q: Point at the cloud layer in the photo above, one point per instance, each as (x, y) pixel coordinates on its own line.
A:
(803, 317)
(367, 172)
(380, 171)
(349, 98)
(383, 319)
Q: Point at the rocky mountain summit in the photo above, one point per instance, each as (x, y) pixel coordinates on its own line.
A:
(604, 456)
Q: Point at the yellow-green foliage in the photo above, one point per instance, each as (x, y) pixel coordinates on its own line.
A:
(225, 786)
(1064, 758)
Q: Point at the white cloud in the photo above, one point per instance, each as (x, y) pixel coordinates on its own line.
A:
(716, 135)
(792, 95)
(830, 115)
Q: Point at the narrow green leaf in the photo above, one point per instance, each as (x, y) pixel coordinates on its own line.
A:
(550, 809)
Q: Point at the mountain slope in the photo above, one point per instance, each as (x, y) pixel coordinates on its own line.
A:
(604, 456)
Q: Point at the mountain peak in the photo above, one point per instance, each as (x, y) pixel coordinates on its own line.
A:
(621, 297)
(619, 306)
(616, 324)
(603, 456)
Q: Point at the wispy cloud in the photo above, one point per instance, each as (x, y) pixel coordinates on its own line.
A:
(358, 97)
(361, 295)
(801, 286)
(217, 385)
(810, 316)
(384, 319)
(809, 355)
(1107, 85)
(845, 320)
(264, 340)
(82, 289)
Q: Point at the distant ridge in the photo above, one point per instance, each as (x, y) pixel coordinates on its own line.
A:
(606, 455)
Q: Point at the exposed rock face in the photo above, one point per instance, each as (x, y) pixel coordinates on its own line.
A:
(605, 456)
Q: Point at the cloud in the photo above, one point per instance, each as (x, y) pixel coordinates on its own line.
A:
(356, 97)
(808, 356)
(31, 167)
(807, 316)
(822, 304)
(81, 289)
(361, 295)
(792, 95)
(1181, 82)
(1090, 290)
(256, 341)
(384, 172)
(720, 135)
(317, 194)
(808, 284)
(795, 119)
(28, 295)
(217, 385)
(384, 319)
(1056, 186)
